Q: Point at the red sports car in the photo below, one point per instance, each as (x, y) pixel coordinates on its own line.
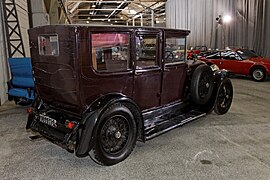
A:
(240, 61)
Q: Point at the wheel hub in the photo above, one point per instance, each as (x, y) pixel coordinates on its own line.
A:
(258, 74)
(117, 135)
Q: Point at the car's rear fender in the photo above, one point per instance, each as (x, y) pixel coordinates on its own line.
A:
(92, 116)
(267, 69)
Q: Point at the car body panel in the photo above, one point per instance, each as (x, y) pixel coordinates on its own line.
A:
(237, 65)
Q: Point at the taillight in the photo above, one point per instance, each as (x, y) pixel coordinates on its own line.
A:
(29, 110)
(70, 124)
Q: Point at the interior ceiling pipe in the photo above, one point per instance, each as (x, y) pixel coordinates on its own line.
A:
(152, 18)
(75, 7)
(61, 4)
(118, 7)
(141, 19)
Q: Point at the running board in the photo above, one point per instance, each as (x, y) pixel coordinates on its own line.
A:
(172, 119)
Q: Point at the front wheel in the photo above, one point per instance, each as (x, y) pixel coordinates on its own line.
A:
(224, 97)
(258, 74)
(116, 135)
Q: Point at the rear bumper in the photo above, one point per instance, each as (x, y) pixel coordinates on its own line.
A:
(60, 135)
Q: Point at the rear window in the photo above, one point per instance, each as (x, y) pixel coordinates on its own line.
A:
(110, 52)
(48, 45)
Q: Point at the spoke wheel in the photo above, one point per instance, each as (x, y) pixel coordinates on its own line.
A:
(224, 98)
(116, 135)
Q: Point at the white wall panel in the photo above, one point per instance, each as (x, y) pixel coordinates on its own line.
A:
(22, 11)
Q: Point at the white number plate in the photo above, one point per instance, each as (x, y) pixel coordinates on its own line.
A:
(47, 120)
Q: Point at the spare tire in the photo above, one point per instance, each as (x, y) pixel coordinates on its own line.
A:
(202, 84)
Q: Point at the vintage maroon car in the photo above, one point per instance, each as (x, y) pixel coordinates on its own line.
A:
(100, 89)
(240, 61)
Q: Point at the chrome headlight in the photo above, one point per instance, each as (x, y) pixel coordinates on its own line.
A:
(214, 67)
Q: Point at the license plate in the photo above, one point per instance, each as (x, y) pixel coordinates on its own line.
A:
(47, 120)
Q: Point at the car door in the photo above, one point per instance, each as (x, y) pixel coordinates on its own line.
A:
(147, 79)
(215, 58)
(174, 68)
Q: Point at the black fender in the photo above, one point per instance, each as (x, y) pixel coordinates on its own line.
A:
(92, 115)
(218, 79)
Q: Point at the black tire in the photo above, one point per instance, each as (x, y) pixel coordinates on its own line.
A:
(224, 97)
(258, 74)
(202, 84)
(116, 135)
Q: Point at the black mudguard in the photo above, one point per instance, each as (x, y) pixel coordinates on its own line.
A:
(218, 78)
(88, 135)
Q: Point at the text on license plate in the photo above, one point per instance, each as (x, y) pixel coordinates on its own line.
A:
(47, 120)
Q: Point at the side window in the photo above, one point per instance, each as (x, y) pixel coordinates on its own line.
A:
(48, 45)
(175, 50)
(146, 51)
(110, 52)
(231, 56)
(215, 55)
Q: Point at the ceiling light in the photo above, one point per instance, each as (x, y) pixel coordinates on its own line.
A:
(109, 20)
(115, 21)
(121, 17)
(106, 15)
(93, 5)
(227, 19)
(102, 19)
(87, 22)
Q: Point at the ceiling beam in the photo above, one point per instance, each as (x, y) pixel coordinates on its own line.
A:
(118, 1)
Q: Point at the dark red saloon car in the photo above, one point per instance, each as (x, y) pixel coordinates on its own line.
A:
(100, 89)
(240, 61)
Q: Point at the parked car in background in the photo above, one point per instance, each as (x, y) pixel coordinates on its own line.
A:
(240, 61)
(100, 89)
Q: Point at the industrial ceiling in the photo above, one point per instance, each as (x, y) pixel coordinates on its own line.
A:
(119, 12)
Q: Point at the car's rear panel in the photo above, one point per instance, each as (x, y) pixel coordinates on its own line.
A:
(53, 51)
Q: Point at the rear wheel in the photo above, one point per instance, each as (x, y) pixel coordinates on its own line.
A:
(116, 135)
(258, 74)
(224, 97)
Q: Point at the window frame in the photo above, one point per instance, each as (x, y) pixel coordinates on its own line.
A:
(167, 36)
(129, 61)
(157, 59)
(58, 45)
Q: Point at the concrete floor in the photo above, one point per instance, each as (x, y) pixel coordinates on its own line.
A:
(233, 146)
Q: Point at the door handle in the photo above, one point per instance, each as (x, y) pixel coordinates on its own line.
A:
(138, 73)
(166, 70)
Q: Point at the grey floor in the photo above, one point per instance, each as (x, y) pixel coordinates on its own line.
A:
(233, 146)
